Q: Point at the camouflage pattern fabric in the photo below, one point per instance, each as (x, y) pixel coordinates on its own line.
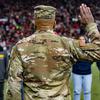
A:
(44, 12)
(43, 61)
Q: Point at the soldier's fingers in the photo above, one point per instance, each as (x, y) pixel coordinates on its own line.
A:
(90, 14)
(82, 11)
(86, 13)
(85, 10)
(82, 16)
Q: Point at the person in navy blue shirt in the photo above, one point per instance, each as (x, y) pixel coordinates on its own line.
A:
(81, 75)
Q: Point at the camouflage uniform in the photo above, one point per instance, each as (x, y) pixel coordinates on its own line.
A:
(43, 61)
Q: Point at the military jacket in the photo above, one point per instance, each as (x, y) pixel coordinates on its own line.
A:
(42, 62)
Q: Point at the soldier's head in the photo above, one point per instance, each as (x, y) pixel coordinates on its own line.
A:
(44, 17)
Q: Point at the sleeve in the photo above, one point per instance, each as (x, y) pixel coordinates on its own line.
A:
(89, 52)
(14, 75)
(93, 33)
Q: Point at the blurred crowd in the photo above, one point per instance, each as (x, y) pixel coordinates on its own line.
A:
(17, 19)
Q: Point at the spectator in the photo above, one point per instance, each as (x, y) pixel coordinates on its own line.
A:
(81, 75)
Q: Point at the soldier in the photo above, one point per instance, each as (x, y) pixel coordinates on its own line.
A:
(81, 75)
(40, 64)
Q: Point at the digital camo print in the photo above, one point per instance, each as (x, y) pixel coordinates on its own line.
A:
(44, 12)
(43, 62)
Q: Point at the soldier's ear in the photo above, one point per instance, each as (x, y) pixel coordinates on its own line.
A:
(54, 24)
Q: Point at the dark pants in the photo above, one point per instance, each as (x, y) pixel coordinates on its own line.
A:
(1, 90)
